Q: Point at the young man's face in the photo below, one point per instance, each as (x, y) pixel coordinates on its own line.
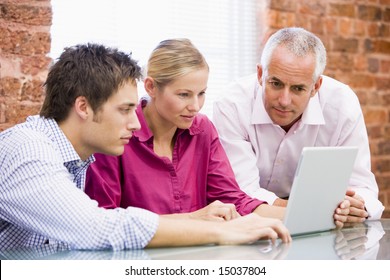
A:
(112, 125)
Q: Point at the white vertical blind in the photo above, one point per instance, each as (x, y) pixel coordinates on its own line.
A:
(223, 30)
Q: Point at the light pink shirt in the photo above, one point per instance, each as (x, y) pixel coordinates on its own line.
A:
(264, 157)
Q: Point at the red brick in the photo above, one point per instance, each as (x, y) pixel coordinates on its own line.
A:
(34, 65)
(359, 28)
(360, 62)
(385, 66)
(10, 86)
(25, 43)
(374, 132)
(17, 113)
(304, 21)
(342, 10)
(384, 147)
(278, 19)
(378, 29)
(369, 13)
(373, 65)
(362, 96)
(361, 81)
(375, 115)
(383, 83)
(26, 14)
(2, 113)
(387, 131)
(381, 165)
(341, 61)
(345, 45)
(317, 26)
(386, 15)
(283, 5)
(386, 99)
(345, 27)
(314, 7)
(382, 46)
(32, 91)
(384, 182)
(386, 213)
(330, 25)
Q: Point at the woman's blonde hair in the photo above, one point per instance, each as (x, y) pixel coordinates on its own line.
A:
(174, 58)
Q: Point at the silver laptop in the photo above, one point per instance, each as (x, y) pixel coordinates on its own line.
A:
(321, 180)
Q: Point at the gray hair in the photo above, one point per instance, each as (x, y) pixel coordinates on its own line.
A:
(299, 42)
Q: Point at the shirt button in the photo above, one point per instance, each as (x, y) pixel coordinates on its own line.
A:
(177, 197)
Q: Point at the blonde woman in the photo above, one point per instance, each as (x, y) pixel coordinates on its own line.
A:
(175, 163)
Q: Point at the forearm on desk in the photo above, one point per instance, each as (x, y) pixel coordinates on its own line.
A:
(270, 211)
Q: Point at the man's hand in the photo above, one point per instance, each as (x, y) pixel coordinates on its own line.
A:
(242, 230)
(216, 211)
(251, 228)
(351, 210)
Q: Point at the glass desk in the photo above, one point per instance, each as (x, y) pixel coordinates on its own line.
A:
(366, 241)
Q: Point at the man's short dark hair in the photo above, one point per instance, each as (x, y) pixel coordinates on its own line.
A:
(89, 70)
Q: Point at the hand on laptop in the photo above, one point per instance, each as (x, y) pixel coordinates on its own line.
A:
(351, 210)
(251, 228)
(357, 210)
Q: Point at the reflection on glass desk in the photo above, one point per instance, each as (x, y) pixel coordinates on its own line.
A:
(370, 240)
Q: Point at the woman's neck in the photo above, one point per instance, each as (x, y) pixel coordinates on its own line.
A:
(163, 133)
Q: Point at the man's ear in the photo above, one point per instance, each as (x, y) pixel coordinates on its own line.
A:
(259, 74)
(149, 86)
(81, 107)
(317, 86)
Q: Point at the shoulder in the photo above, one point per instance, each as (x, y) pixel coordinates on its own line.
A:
(202, 122)
(29, 139)
(334, 91)
(242, 90)
(237, 100)
(338, 96)
(202, 125)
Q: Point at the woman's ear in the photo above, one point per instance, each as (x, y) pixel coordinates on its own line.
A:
(150, 87)
(81, 107)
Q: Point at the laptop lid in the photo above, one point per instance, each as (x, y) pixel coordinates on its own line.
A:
(321, 180)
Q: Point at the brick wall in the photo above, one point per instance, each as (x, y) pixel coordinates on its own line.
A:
(24, 45)
(356, 34)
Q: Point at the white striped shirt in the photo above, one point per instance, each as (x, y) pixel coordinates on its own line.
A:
(42, 199)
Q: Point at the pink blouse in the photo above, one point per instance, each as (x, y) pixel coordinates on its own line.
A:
(198, 174)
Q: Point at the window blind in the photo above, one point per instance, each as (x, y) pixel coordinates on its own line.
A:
(223, 30)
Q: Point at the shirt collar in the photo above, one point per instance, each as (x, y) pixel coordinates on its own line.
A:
(312, 115)
(145, 133)
(66, 149)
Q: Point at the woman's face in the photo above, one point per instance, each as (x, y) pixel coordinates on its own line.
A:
(180, 101)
